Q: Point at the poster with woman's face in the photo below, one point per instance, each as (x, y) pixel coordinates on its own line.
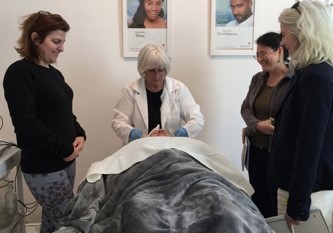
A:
(144, 22)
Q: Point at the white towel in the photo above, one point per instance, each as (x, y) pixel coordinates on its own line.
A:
(141, 149)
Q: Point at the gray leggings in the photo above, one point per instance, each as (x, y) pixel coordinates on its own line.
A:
(52, 191)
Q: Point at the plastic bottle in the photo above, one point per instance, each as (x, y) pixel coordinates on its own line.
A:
(11, 199)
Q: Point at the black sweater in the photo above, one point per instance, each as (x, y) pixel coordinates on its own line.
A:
(40, 105)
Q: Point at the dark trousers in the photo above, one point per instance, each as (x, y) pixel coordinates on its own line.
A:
(265, 193)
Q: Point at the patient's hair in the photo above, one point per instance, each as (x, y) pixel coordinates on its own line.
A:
(153, 57)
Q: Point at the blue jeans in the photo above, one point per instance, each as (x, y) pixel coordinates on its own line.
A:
(52, 191)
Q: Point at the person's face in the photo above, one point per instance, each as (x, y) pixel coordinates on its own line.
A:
(51, 47)
(289, 40)
(153, 8)
(268, 57)
(241, 9)
(155, 78)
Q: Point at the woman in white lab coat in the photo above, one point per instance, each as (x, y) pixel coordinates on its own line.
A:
(154, 104)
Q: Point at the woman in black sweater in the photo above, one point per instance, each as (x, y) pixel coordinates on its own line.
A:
(40, 105)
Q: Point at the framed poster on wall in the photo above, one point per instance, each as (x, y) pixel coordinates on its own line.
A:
(144, 22)
(232, 27)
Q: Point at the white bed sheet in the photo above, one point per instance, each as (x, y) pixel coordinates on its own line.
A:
(141, 149)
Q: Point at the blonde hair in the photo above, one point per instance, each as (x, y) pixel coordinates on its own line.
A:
(152, 57)
(311, 23)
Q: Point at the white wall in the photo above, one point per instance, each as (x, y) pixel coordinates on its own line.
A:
(93, 66)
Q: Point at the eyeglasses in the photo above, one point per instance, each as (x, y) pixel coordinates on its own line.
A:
(263, 53)
(295, 6)
(154, 71)
(38, 16)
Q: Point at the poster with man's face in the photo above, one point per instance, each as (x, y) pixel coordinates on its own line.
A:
(233, 24)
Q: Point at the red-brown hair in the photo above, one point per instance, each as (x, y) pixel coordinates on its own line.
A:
(43, 23)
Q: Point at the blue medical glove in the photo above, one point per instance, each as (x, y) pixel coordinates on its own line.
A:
(181, 132)
(135, 134)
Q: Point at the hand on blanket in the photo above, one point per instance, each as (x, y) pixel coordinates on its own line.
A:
(135, 134)
(181, 132)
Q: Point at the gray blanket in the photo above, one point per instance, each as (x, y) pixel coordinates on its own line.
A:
(168, 192)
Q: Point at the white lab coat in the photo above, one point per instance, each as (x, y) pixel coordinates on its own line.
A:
(178, 107)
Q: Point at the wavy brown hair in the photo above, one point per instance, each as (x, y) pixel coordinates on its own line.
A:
(42, 23)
